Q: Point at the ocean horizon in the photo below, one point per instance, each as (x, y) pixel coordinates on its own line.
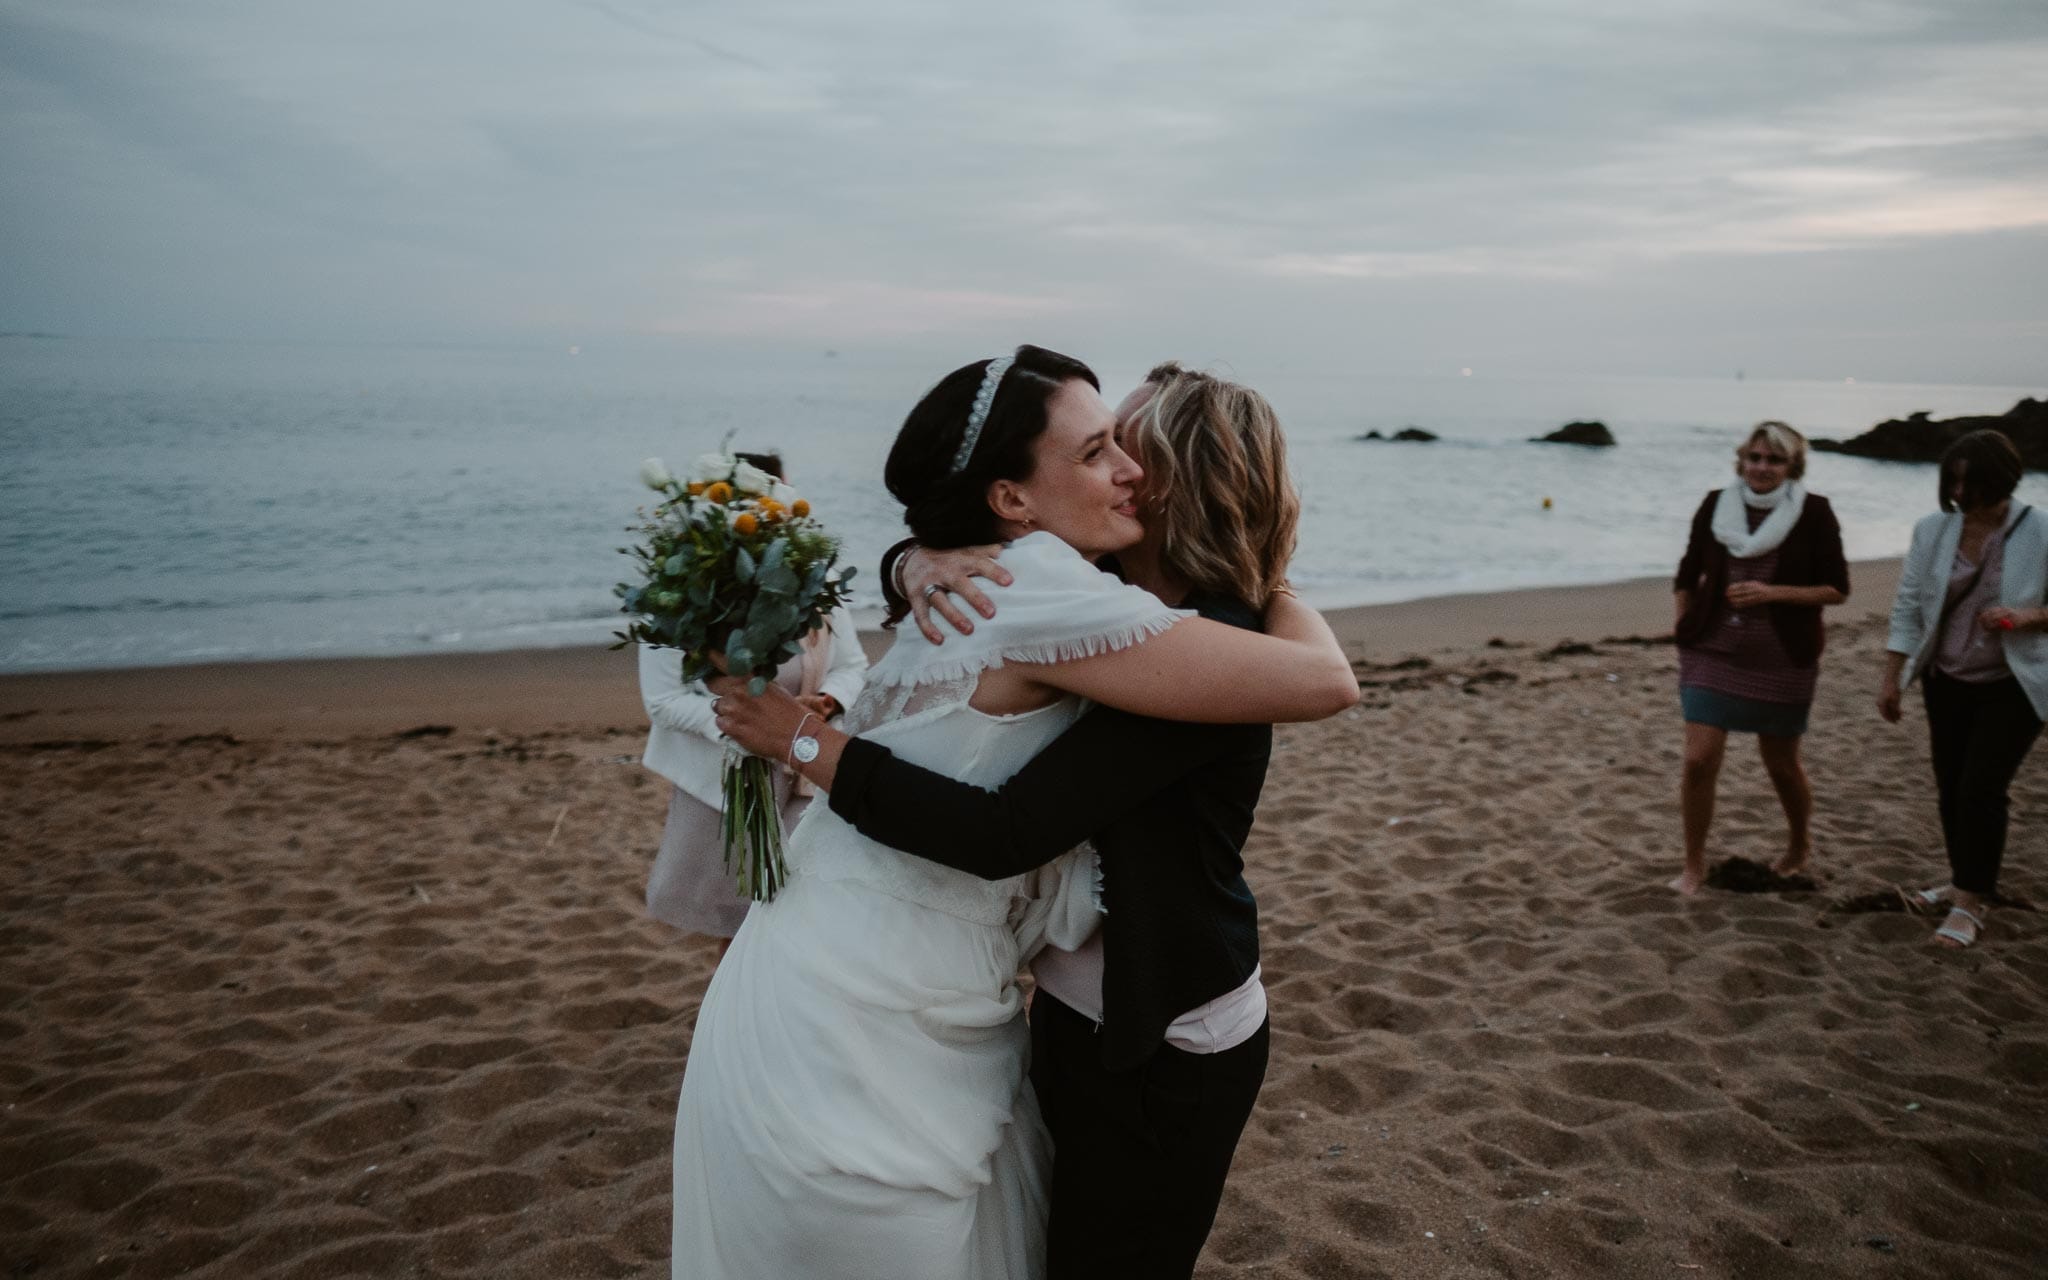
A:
(174, 502)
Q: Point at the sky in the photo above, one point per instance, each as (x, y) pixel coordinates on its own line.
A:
(1807, 189)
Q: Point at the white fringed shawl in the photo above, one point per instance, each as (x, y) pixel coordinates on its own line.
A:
(1058, 608)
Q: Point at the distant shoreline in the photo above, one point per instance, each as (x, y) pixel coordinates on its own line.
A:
(590, 686)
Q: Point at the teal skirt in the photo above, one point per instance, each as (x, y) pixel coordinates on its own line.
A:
(1743, 715)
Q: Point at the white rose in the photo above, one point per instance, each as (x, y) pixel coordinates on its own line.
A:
(784, 494)
(711, 466)
(748, 478)
(655, 476)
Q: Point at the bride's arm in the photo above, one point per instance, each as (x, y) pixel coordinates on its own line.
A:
(1212, 672)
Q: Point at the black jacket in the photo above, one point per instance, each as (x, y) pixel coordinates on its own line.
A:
(1168, 807)
(1811, 556)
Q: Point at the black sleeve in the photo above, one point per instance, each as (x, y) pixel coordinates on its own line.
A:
(1831, 566)
(1105, 765)
(1694, 561)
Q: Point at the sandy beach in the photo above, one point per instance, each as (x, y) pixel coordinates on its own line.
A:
(339, 968)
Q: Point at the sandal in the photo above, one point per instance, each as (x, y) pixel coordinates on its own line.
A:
(1924, 902)
(1961, 935)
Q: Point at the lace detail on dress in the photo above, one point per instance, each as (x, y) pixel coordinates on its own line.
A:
(891, 704)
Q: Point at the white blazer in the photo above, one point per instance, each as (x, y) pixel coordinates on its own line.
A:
(1923, 590)
(684, 746)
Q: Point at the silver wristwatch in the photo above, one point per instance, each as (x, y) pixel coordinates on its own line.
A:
(804, 749)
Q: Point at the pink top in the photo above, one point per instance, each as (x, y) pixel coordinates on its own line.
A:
(1967, 651)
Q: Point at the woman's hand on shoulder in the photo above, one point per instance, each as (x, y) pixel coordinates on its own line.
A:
(932, 578)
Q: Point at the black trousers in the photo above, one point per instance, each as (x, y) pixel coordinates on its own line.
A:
(1979, 733)
(1139, 1156)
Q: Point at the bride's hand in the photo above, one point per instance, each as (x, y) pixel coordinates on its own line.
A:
(762, 724)
(932, 578)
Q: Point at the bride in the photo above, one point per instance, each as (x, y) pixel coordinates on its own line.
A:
(855, 1102)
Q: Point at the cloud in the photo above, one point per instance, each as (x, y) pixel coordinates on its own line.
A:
(822, 172)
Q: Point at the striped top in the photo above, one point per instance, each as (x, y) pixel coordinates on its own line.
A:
(1742, 656)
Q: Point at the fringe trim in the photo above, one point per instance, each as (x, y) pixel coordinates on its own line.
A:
(1049, 651)
(1095, 881)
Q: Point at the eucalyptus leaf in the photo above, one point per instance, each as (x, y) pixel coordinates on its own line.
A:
(779, 580)
(757, 686)
(743, 565)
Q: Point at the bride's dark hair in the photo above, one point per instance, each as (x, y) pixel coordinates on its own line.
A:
(946, 510)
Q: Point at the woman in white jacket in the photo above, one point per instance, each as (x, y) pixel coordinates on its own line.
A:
(1971, 620)
(689, 886)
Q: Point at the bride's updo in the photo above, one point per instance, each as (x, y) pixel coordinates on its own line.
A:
(946, 509)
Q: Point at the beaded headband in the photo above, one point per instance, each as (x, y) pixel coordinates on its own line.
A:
(977, 417)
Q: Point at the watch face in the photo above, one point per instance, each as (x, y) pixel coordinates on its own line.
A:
(804, 749)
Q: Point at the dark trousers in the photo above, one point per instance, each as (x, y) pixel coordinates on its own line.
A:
(1980, 733)
(1139, 1156)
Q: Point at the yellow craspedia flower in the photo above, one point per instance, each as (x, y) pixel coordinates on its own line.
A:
(770, 509)
(719, 492)
(744, 524)
(695, 488)
(800, 508)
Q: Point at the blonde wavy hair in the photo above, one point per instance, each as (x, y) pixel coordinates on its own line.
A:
(1216, 483)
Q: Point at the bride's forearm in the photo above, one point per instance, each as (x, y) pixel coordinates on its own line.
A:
(1205, 671)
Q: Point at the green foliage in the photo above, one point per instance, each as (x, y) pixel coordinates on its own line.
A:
(703, 587)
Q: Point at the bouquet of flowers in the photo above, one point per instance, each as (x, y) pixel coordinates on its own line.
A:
(731, 561)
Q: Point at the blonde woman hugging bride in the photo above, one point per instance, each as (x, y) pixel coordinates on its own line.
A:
(855, 1103)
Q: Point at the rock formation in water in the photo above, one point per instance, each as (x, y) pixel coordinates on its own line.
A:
(1922, 439)
(1415, 435)
(1587, 433)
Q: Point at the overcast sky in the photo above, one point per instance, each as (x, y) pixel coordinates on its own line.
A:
(1794, 187)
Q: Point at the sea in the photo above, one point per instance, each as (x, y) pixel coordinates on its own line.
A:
(167, 502)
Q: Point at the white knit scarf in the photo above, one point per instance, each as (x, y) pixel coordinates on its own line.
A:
(1731, 525)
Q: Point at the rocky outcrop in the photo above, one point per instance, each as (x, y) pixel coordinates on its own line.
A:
(1595, 434)
(1415, 435)
(1920, 438)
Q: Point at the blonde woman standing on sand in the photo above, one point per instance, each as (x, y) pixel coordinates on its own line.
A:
(1764, 557)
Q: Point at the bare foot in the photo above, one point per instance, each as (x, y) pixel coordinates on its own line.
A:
(1688, 883)
(1794, 864)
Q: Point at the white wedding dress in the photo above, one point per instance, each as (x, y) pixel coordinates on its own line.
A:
(855, 1106)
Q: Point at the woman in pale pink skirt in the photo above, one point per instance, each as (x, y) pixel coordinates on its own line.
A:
(689, 886)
